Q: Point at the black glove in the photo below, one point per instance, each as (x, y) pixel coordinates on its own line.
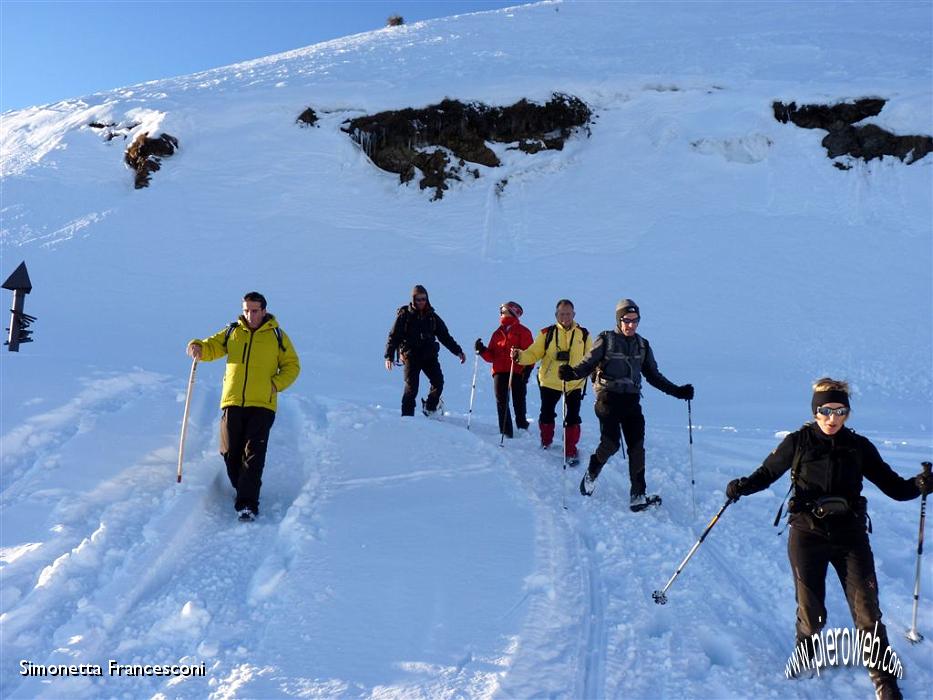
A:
(480, 348)
(924, 482)
(685, 392)
(566, 373)
(736, 488)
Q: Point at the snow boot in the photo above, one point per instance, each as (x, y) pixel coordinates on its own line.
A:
(588, 482)
(246, 515)
(885, 686)
(640, 502)
(436, 413)
(547, 434)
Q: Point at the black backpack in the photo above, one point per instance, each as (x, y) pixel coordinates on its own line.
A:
(610, 349)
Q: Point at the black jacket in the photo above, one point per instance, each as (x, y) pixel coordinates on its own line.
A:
(417, 334)
(829, 466)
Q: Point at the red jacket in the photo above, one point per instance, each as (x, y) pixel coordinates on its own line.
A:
(511, 334)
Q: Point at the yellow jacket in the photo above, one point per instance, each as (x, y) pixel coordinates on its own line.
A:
(257, 368)
(561, 340)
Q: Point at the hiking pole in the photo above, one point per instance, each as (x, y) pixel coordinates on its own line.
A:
(184, 418)
(508, 397)
(693, 487)
(913, 636)
(473, 390)
(563, 485)
(659, 596)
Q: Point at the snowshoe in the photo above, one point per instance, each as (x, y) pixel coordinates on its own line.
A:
(436, 413)
(246, 515)
(642, 502)
(573, 461)
(587, 484)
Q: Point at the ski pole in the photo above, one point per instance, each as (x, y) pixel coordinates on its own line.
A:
(473, 390)
(563, 486)
(508, 397)
(564, 403)
(693, 488)
(184, 419)
(913, 635)
(660, 597)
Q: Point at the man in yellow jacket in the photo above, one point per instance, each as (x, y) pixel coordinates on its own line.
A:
(564, 342)
(261, 362)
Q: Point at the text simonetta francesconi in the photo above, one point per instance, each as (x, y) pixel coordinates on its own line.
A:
(112, 668)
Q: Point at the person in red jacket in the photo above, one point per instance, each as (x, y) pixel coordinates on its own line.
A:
(510, 334)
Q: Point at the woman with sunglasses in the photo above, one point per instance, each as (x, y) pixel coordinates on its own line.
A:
(828, 517)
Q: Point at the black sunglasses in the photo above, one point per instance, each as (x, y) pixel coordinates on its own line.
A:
(826, 411)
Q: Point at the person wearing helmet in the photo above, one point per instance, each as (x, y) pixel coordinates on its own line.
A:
(510, 334)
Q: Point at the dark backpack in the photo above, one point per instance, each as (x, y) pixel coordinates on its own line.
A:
(234, 324)
(613, 353)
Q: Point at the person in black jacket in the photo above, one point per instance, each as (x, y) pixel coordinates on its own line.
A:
(414, 336)
(620, 358)
(828, 516)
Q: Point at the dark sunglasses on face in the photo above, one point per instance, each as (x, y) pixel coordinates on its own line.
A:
(825, 411)
(630, 321)
(421, 298)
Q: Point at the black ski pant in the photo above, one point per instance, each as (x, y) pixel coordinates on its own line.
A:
(620, 416)
(414, 366)
(549, 400)
(518, 391)
(811, 548)
(244, 435)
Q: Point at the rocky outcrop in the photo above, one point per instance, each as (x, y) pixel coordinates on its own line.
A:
(145, 155)
(410, 140)
(307, 118)
(867, 142)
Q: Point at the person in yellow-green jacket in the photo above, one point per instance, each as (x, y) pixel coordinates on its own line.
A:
(261, 362)
(564, 342)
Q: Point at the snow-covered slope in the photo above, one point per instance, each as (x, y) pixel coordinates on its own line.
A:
(416, 558)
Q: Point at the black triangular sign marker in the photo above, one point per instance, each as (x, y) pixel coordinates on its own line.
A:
(19, 279)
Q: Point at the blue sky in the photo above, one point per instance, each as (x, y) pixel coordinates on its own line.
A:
(55, 50)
